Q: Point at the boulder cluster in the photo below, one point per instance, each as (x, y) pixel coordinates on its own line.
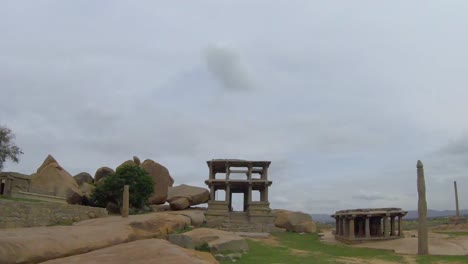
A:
(52, 179)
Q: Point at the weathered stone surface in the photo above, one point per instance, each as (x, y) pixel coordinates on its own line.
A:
(17, 214)
(101, 173)
(294, 221)
(49, 159)
(161, 178)
(160, 207)
(180, 203)
(83, 177)
(197, 217)
(178, 195)
(87, 189)
(142, 251)
(52, 179)
(218, 241)
(136, 160)
(33, 245)
(126, 163)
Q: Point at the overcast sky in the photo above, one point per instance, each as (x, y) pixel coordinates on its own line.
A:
(342, 96)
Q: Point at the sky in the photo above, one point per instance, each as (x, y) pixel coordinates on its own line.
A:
(343, 97)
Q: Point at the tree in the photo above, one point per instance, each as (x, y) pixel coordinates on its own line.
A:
(8, 149)
(111, 190)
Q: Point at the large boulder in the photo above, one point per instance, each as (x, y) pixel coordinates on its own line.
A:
(126, 163)
(83, 177)
(218, 241)
(183, 196)
(140, 252)
(49, 159)
(101, 173)
(161, 178)
(294, 221)
(52, 179)
(136, 160)
(87, 189)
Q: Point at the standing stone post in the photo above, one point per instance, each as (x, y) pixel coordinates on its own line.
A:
(456, 199)
(423, 248)
(126, 198)
(367, 227)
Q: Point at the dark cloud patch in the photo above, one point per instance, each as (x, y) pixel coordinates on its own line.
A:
(226, 66)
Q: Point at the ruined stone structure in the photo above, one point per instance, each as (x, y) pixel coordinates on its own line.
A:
(368, 224)
(12, 183)
(228, 177)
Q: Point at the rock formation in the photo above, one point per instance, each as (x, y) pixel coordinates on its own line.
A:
(126, 163)
(423, 248)
(161, 178)
(83, 177)
(136, 160)
(294, 221)
(102, 173)
(218, 241)
(52, 179)
(183, 196)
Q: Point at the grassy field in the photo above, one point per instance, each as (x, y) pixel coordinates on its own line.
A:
(307, 248)
(18, 199)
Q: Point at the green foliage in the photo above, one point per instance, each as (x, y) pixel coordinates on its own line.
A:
(8, 149)
(111, 189)
(185, 229)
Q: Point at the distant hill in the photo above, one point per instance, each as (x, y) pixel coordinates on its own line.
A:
(325, 218)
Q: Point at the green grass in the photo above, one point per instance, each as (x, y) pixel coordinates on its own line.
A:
(297, 248)
(431, 222)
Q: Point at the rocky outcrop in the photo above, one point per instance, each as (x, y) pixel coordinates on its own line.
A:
(217, 240)
(37, 244)
(161, 178)
(126, 163)
(136, 160)
(52, 179)
(294, 221)
(101, 173)
(197, 217)
(87, 189)
(182, 196)
(83, 177)
(140, 252)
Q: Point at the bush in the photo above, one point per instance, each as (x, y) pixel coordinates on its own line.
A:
(111, 189)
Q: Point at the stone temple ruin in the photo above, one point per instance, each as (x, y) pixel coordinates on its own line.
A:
(358, 225)
(228, 177)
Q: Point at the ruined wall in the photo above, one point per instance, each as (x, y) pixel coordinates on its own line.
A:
(15, 214)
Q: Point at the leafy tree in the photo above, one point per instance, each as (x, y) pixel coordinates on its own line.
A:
(8, 149)
(111, 190)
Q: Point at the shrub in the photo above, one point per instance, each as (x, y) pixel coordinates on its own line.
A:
(111, 189)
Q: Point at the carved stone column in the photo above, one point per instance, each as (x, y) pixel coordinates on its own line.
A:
(392, 225)
(385, 226)
(367, 226)
(351, 227)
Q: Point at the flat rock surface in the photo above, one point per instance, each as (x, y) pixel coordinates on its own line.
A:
(141, 251)
(32, 245)
(218, 241)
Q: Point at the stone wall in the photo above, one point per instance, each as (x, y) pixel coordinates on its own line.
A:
(15, 214)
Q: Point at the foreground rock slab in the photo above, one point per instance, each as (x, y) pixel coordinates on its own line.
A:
(217, 240)
(33, 245)
(141, 251)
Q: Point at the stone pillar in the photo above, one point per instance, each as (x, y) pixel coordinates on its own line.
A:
(351, 227)
(392, 225)
(344, 229)
(212, 193)
(399, 226)
(367, 226)
(249, 195)
(212, 175)
(423, 248)
(228, 194)
(385, 226)
(249, 172)
(266, 193)
(125, 202)
(228, 171)
(456, 199)
(265, 173)
(337, 225)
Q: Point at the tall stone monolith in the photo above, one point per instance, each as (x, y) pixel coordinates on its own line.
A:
(125, 202)
(423, 248)
(456, 199)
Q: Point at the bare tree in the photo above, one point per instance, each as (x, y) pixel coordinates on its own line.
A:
(8, 149)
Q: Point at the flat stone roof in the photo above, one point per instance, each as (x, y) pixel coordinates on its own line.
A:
(219, 165)
(371, 211)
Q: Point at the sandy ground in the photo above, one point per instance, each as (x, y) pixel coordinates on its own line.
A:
(439, 244)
